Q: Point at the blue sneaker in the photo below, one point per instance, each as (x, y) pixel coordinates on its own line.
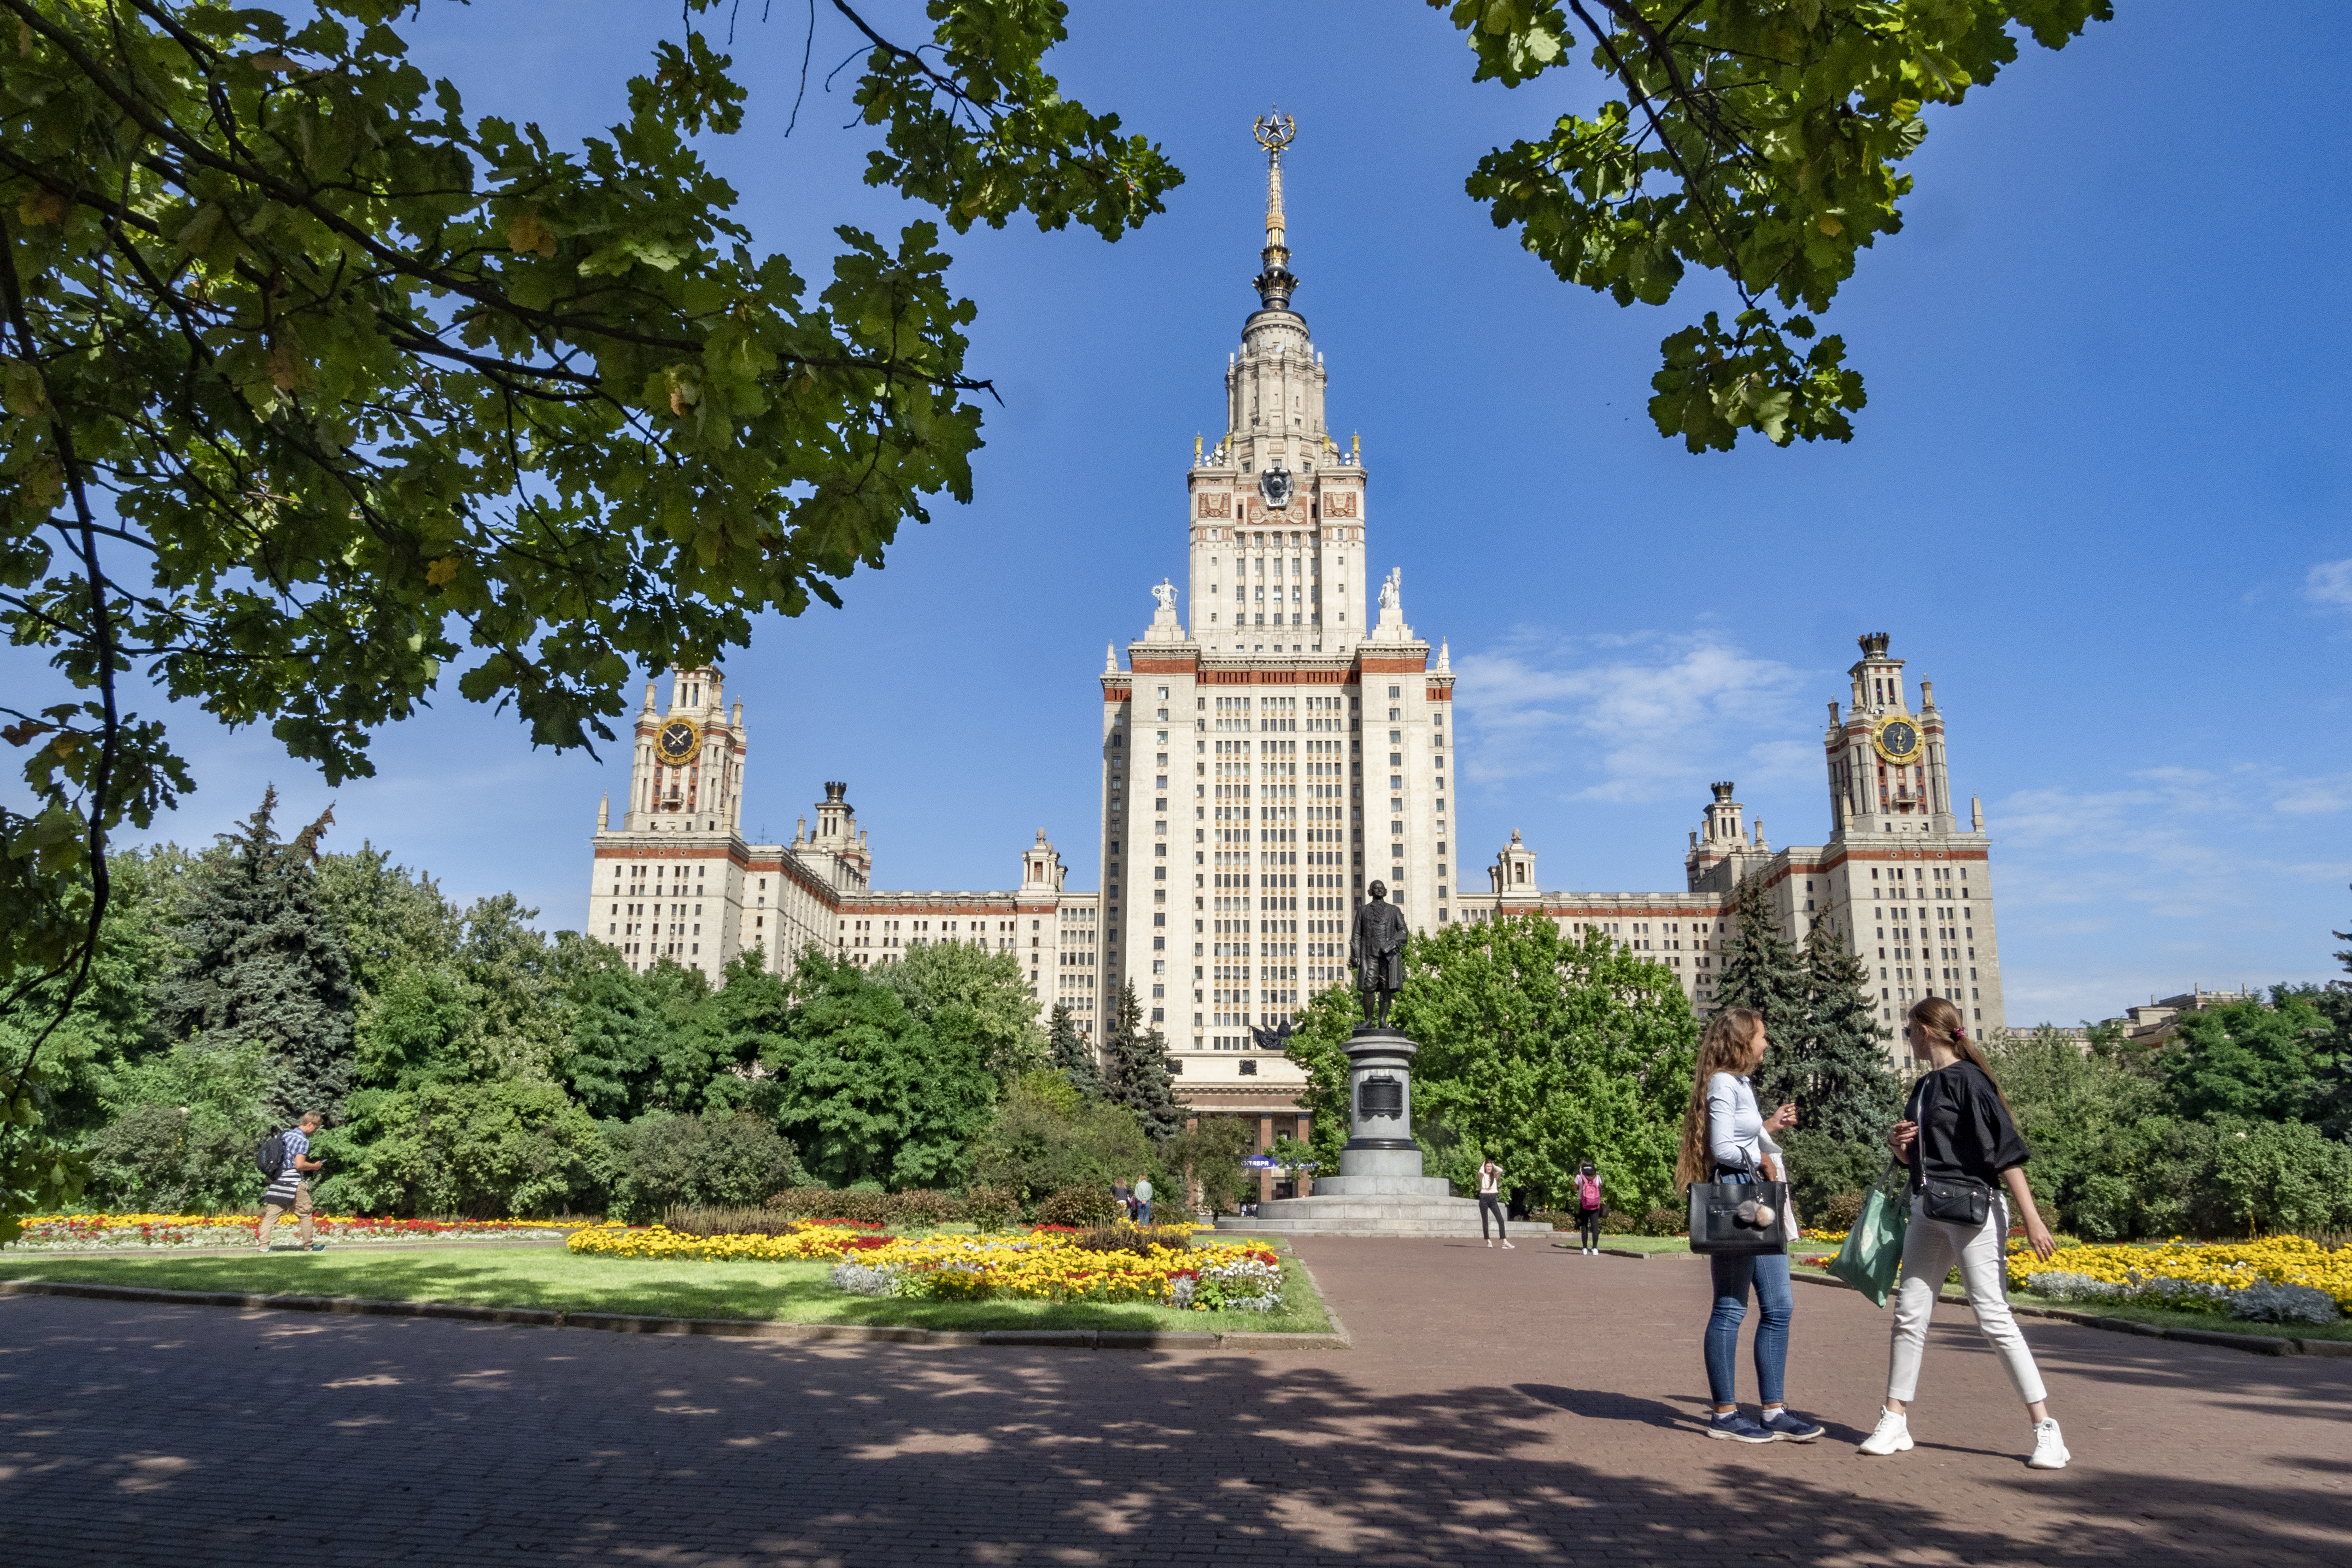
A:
(1736, 1428)
(1790, 1427)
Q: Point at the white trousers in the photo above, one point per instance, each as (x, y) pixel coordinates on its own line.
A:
(1930, 1248)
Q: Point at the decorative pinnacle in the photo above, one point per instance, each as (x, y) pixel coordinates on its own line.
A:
(1274, 131)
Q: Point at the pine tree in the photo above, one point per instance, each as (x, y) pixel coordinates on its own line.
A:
(1761, 970)
(1841, 1083)
(265, 964)
(1135, 1070)
(1073, 1058)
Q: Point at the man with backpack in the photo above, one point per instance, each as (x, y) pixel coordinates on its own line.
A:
(285, 1159)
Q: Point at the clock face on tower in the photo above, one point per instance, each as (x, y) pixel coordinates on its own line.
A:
(1898, 740)
(1275, 486)
(677, 741)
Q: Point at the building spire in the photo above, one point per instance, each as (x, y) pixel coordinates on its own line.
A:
(1274, 131)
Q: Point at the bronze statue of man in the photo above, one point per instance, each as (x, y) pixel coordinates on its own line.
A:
(1376, 949)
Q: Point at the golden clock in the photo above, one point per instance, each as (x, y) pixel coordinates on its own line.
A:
(677, 741)
(1898, 739)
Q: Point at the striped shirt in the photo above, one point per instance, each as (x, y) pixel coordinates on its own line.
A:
(281, 1191)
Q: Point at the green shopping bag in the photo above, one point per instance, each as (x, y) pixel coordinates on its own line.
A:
(1873, 1253)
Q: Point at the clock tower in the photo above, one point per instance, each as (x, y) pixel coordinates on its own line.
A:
(686, 775)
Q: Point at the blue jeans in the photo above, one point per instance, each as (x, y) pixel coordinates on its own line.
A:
(1143, 1216)
(1733, 1275)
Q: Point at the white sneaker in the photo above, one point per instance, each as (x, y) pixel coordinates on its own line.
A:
(1893, 1434)
(1508, 1248)
(2049, 1449)
(1490, 1246)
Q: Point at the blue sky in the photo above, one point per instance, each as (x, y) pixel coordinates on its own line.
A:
(2099, 495)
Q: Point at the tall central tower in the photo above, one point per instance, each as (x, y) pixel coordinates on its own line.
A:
(1263, 767)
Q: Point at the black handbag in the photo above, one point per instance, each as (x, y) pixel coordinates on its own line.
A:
(1955, 1200)
(1728, 1218)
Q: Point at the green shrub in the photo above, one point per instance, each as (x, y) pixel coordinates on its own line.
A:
(1136, 1239)
(1664, 1221)
(1617, 1222)
(729, 1222)
(2282, 1175)
(1821, 1167)
(165, 1160)
(1086, 1207)
(186, 1124)
(661, 1161)
(917, 1207)
(1842, 1212)
(991, 1208)
(1044, 1139)
(485, 1151)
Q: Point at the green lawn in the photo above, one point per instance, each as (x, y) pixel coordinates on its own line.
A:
(550, 1279)
(1634, 1243)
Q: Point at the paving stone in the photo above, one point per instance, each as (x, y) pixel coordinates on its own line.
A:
(1530, 1407)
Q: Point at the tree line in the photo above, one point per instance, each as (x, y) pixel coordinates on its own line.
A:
(1545, 1049)
(469, 1063)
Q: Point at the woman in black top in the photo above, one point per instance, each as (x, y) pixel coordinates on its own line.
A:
(1958, 1138)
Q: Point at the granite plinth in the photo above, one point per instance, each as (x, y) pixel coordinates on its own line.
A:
(1392, 1184)
(1368, 1213)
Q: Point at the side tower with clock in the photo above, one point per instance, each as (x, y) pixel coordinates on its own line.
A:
(1904, 880)
(668, 880)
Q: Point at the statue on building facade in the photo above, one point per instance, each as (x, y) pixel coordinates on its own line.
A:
(1392, 592)
(1165, 592)
(1376, 950)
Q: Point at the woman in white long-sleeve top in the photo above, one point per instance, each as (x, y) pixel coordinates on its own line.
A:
(1727, 1137)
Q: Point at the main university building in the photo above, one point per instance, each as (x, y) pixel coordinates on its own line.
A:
(1260, 767)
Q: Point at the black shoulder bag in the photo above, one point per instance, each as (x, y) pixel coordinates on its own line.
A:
(1955, 1200)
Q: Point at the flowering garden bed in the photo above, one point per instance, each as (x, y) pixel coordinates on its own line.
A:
(136, 1232)
(1049, 1262)
(2281, 1284)
(676, 1275)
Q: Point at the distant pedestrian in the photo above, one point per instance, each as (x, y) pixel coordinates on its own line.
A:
(1727, 1137)
(290, 1188)
(1124, 1197)
(1588, 1209)
(1143, 1200)
(1490, 1202)
(1962, 1147)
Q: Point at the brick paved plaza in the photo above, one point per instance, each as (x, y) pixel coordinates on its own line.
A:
(1524, 1408)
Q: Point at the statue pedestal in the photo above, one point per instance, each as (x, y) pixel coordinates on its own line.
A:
(1380, 1190)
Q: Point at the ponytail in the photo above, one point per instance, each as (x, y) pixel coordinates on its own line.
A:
(1935, 1018)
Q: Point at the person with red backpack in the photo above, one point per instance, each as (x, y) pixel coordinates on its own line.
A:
(1588, 1204)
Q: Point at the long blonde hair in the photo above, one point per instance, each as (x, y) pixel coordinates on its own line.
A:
(1730, 1037)
(1936, 1019)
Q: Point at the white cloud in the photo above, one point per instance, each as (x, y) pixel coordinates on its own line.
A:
(2169, 877)
(1623, 714)
(2329, 583)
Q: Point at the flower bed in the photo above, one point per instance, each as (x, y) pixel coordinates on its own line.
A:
(2243, 1278)
(808, 1239)
(1047, 1264)
(127, 1232)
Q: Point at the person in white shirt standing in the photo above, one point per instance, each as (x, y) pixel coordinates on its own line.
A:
(1490, 1200)
(1727, 1137)
(290, 1188)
